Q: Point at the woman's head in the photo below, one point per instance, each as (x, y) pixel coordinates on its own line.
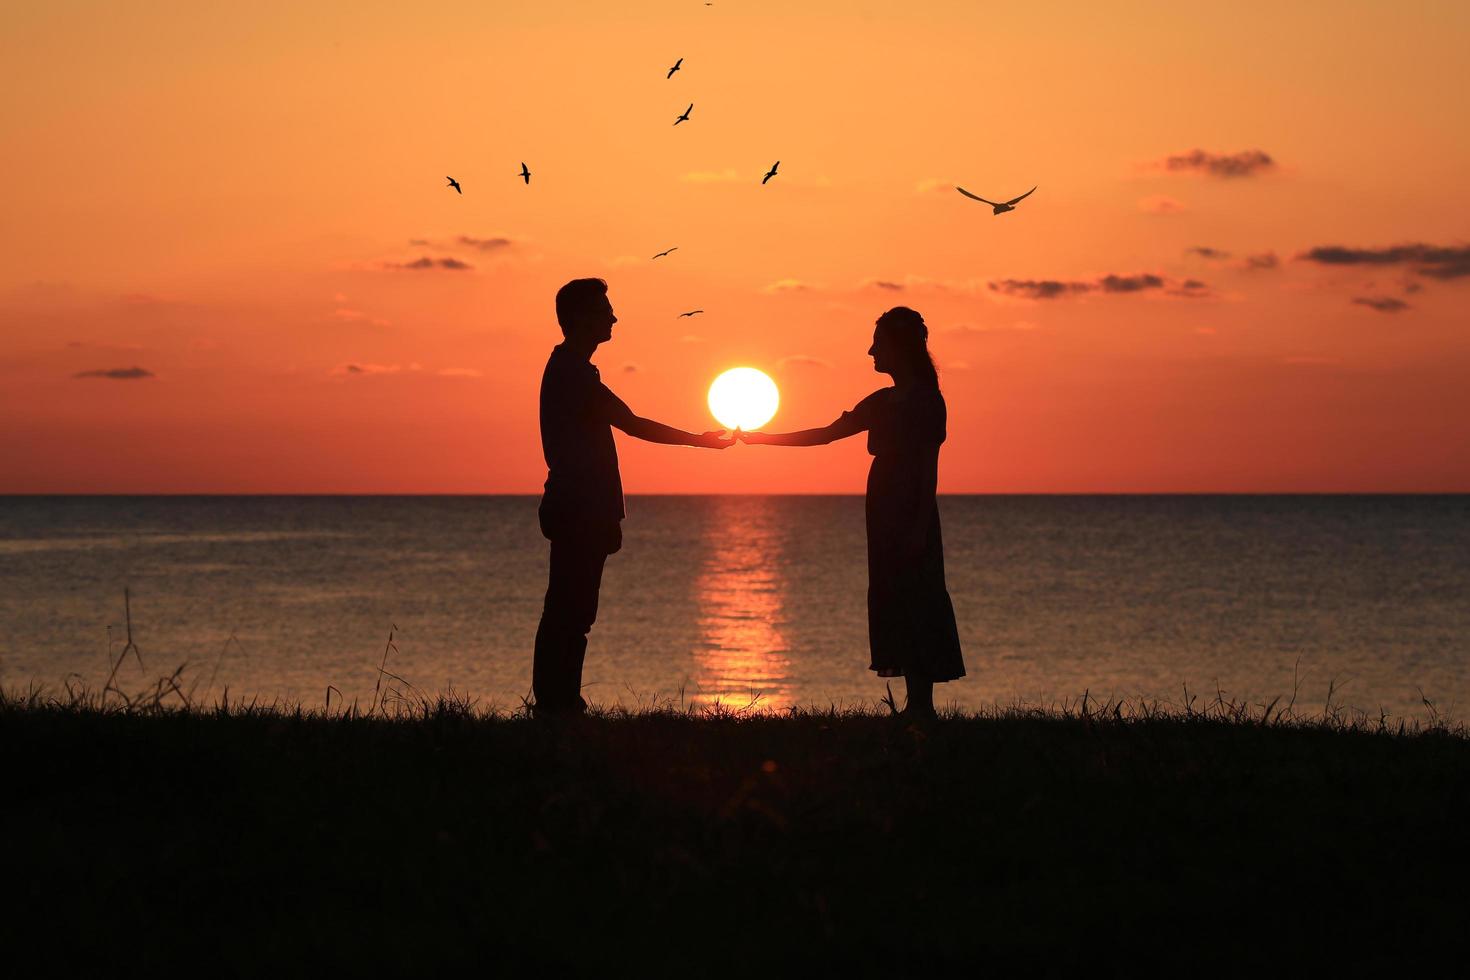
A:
(900, 345)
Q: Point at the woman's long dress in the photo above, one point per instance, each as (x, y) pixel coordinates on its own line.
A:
(911, 625)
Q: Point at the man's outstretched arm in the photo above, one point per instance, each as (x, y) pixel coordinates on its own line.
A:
(622, 417)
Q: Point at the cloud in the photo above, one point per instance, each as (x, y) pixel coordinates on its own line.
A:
(485, 244)
(1161, 204)
(1038, 288)
(956, 365)
(691, 338)
(802, 360)
(931, 184)
(1383, 304)
(1247, 263)
(361, 368)
(1342, 255)
(913, 282)
(631, 368)
(1434, 261)
(1246, 163)
(424, 262)
(1115, 284)
(788, 286)
(117, 374)
(1189, 289)
(459, 373)
(1132, 284)
(419, 242)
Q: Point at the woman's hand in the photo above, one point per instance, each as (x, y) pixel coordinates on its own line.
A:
(751, 438)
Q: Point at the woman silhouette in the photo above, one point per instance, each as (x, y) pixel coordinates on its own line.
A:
(911, 627)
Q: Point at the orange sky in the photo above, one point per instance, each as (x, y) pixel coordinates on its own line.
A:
(222, 198)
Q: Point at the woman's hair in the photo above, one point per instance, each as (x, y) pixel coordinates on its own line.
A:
(907, 330)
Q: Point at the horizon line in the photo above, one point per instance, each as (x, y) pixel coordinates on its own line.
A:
(858, 496)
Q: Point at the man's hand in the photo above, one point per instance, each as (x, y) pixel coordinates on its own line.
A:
(715, 439)
(751, 438)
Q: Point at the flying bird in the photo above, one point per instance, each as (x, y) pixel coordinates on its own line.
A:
(665, 252)
(525, 173)
(674, 69)
(453, 183)
(999, 208)
(772, 172)
(685, 115)
(691, 312)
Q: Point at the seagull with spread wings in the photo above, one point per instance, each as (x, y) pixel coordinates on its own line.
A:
(771, 173)
(685, 115)
(665, 252)
(453, 183)
(691, 312)
(674, 69)
(999, 208)
(525, 173)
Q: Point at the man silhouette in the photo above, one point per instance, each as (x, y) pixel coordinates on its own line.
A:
(581, 511)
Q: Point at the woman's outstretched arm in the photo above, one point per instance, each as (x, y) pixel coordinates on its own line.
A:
(841, 429)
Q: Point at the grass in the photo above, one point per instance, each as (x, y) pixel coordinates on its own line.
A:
(423, 833)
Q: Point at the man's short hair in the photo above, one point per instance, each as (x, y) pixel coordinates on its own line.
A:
(576, 298)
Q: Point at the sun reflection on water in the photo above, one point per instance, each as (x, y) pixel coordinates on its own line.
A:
(742, 654)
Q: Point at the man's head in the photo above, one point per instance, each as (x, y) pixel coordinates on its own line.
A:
(584, 311)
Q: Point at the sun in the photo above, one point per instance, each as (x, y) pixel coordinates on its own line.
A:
(743, 398)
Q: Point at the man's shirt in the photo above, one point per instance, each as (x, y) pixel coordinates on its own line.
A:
(582, 483)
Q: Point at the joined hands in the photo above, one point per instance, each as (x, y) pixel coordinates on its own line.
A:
(751, 438)
(725, 438)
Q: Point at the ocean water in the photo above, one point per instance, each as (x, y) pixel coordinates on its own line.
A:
(747, 599)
